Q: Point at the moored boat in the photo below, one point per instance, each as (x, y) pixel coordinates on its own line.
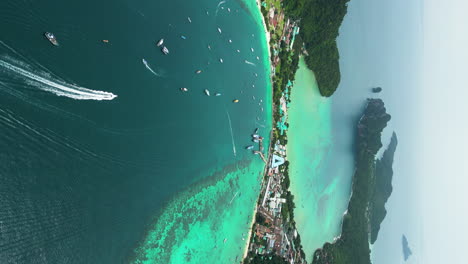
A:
(218, 94)
(249, 147)
(198, 72)
(235, 100)
(207, 92)
(165, 50)
(183, 89)
(160, 42)
(189, 20)
(219, 30)
(51, 37)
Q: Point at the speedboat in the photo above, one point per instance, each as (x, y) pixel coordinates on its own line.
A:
(165, 50)
(217, 94)
(249, 147)
(145, 62)
(219, 30)
(183, 89)
(160, 42)
(207, 92)
(198, 72)
(189, 20)
(51, 38)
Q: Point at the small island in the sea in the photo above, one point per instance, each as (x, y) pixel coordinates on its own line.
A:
(376, 89)
(406, 249)
(370, 191)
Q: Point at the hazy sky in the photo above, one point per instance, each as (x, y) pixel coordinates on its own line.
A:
(443, 169)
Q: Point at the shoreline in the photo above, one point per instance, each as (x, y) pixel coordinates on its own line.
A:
(252, 221)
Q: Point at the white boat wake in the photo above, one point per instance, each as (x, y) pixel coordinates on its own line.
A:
(217, 7)
(232, 134)
(58, 87)
(149, 68)
(250, 63)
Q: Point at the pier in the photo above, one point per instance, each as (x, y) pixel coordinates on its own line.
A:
(261, 155)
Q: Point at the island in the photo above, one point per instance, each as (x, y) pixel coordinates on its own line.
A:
(376, 89)
(353, 244)
(406, 250)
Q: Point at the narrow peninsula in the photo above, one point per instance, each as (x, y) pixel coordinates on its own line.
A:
(366, 203)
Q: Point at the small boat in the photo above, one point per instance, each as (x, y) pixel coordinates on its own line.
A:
(189, 20)
(256, 130)
(258, 58)
(229, 9)
(217, 94)
(198, 72)
(183, 37)
(230, 41)
(253, 85)
(183, 89)
(224, 241)
(219, 30)
(209, 47)
(105, 40)
(255, 136)
(207, 92)
(256, 75)
(238, 51)
(160, 42)
(51, 38)
(221, 60)
(252, 49)
(165, 50)
(235, 101)
(249, 147)
(255, 140)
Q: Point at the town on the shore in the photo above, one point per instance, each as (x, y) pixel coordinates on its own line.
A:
(274, 237)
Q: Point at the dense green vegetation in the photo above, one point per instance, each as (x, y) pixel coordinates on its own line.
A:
(382, 188)
(320, 23)
(353, 245)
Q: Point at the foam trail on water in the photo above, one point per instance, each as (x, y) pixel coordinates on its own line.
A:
(55, 86)
(149, 68)
(217, 7)
(250, 63)
(232, 134)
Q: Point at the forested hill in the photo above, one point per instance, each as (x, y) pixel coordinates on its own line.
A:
(353, 245)
(320, 23)
(382, 188)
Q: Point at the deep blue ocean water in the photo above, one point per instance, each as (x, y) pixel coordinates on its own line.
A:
(82, 177)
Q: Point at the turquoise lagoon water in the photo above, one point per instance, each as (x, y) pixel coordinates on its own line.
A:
(105, 160)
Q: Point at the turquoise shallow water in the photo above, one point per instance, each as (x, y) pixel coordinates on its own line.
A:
(320, 166)
(86, 179)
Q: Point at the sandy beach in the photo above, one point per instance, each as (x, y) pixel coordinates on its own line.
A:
(267, 34)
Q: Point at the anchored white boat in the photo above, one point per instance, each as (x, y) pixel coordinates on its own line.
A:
(160, 42)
